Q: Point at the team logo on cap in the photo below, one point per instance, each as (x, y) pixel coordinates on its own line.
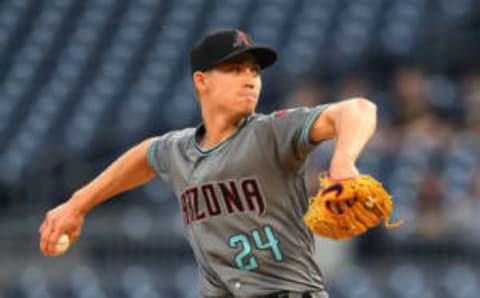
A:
(242, 39)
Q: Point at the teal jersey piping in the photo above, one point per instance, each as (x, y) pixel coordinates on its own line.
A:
(222, 144)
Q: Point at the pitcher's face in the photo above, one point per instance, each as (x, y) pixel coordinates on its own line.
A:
(234, 85)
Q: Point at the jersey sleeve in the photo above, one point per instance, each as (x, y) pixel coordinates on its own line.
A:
(291, 130)
(157, 155)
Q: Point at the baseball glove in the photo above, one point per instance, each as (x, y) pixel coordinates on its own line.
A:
(346, 208)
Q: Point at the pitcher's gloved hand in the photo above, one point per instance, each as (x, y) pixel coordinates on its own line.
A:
(343, 209)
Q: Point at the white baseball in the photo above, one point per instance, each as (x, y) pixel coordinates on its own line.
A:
(62, 245)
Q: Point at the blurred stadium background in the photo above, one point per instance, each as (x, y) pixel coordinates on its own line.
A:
(82, 81)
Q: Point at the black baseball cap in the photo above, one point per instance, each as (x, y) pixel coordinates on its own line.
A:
(219, 46)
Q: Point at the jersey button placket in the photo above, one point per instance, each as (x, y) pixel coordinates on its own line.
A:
(201, 170)
(193, 178)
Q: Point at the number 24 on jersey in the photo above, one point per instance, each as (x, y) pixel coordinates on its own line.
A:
(245, 259)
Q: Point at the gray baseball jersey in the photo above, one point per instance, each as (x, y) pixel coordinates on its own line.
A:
(243, 202)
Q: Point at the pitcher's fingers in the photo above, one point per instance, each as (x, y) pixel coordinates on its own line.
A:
(41, 245)
(44, 240)
(47, 239)
(43, 226)
(52, 241)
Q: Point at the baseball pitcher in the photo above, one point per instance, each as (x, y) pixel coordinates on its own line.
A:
(239, 178)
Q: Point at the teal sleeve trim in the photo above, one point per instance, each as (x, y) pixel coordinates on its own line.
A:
(151, 153)
(309, 122)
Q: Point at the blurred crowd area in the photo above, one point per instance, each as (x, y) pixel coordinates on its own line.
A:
(83, 81)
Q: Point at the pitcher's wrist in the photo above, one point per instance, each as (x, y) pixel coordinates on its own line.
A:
(78, 204)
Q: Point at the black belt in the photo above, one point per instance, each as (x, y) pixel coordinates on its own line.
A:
(282, 294)
(288, 295)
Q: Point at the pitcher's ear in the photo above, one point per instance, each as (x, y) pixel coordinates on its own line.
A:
(198, 78)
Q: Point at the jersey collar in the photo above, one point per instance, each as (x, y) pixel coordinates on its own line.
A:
(200, 131)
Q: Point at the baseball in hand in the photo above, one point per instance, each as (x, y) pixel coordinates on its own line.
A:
(62, 244)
